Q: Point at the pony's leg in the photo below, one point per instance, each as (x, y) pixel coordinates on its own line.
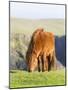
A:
(53, 61)
(50, 59)
(44, 63)
(39, 63)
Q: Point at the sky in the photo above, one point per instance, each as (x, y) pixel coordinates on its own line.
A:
(36, 11)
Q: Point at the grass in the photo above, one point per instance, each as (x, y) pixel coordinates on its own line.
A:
(22, 79)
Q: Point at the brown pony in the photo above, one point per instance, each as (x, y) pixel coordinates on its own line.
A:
(41, 51)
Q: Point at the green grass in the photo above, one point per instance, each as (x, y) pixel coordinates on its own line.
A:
(25, 79)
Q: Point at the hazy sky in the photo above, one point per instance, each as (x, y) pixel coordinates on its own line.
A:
(36, 11)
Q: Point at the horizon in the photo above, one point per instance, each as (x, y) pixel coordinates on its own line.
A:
(36, 18)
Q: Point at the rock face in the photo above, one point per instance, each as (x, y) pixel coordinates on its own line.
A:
(59, 65)
(17, 61)
(18, 47)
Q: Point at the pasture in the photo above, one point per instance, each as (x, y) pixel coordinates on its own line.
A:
(20, 34)
(27, 26)
(20, 78)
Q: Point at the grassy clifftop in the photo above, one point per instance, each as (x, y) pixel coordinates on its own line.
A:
(20, 79)
(20, 34)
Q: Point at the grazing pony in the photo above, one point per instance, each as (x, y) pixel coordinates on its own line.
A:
(41, 51)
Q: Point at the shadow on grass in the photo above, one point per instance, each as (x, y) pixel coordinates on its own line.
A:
(12, 71)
